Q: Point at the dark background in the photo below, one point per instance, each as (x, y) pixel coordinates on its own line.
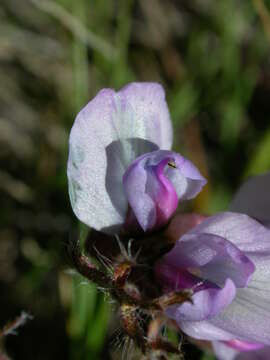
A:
(212, 58)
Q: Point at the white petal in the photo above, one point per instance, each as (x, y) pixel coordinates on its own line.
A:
(148, 102)
(108, 134)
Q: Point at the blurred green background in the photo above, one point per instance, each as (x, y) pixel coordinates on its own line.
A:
(213, 58)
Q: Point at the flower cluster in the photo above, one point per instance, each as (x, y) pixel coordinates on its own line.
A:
(125, 180)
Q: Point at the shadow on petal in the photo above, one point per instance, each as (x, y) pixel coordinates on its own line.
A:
(118, 155)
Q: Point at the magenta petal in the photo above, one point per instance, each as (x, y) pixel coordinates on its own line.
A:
(243, 345)
(155, 181)
(214, 257)
(172, 278)
(206, 304)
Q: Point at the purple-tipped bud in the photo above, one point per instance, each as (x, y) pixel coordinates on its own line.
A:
(155, 182)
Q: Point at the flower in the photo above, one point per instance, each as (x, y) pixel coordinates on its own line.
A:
(225, 260)
(121, 172)
(253, 199)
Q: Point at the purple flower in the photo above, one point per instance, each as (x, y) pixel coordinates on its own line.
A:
(121, 171)
(253, 199)
(225, 260)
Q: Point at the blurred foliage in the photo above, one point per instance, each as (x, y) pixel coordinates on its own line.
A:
(213, 59)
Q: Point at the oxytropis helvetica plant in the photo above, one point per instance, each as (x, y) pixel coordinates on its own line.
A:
(207, 276)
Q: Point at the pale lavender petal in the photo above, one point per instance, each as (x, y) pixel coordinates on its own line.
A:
(250, 237)
(172, 278)
(206, 304)
(213, 257)
(204, 330)
(152, 189)
(108, 134)
(188, 182)
(253, 198)
(244, 232)
(247, 318)
(148, 103)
